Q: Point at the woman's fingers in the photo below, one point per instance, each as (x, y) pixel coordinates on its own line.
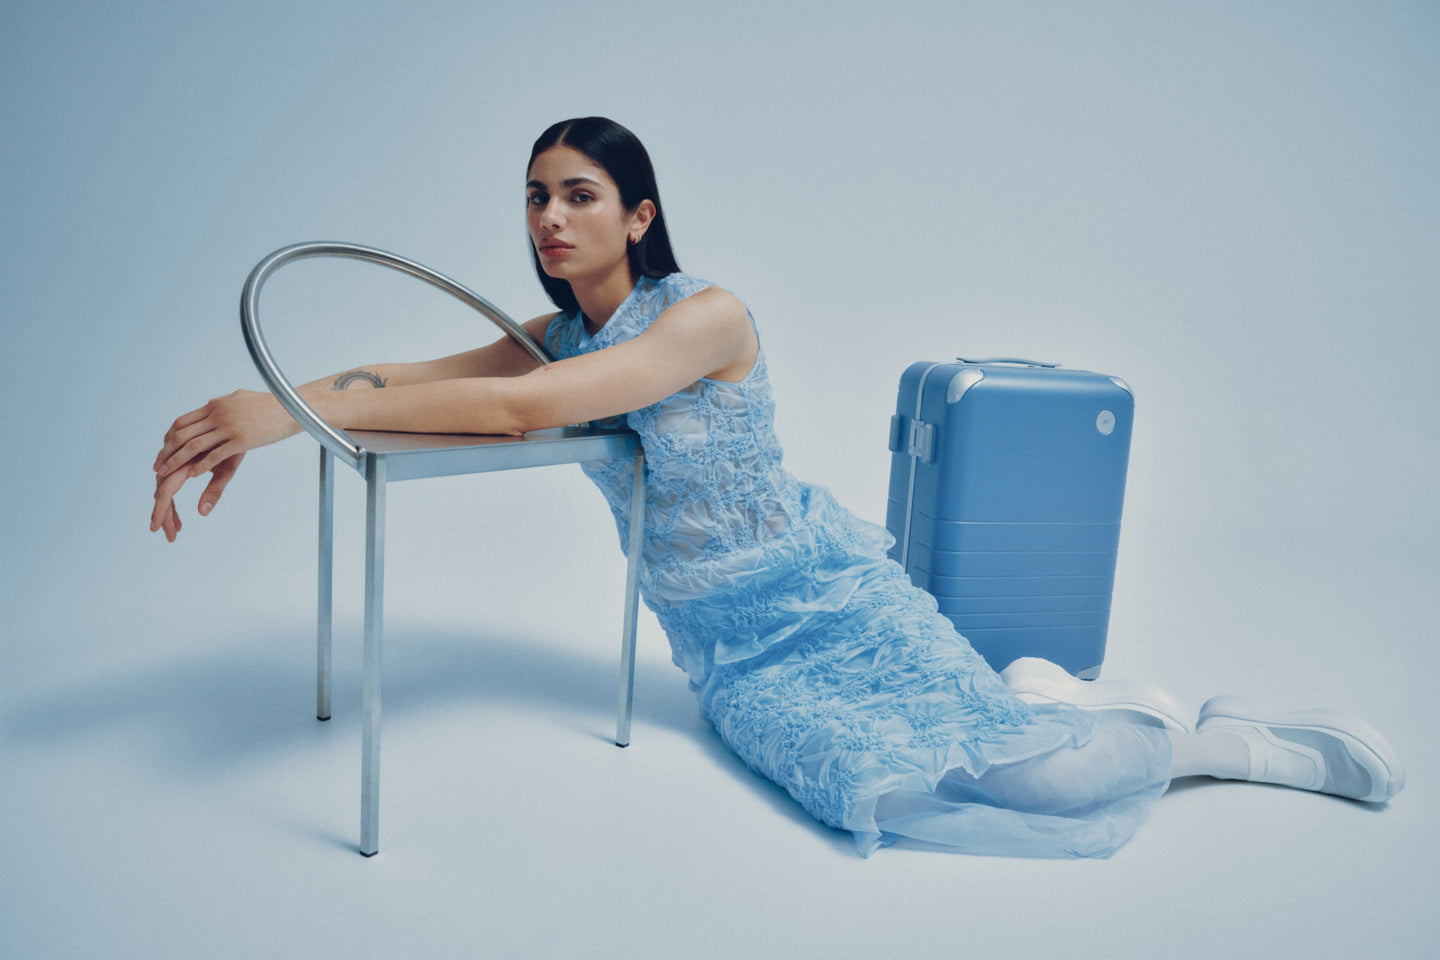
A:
(199, 431)
(219, 478)
(163, 515)
(177, 438)
(184, 427)
(191, 450)
(171, 524)
(217, 456)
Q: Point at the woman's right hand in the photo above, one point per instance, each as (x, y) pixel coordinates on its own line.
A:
(213, 439)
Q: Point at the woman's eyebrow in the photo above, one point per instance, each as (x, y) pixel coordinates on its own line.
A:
(572, 182)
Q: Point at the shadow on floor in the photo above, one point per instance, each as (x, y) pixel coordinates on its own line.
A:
(239, 701)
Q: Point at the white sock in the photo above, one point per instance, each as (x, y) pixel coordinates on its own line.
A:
(1222, 754)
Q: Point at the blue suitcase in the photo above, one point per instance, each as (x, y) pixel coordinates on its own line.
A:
(1007, 481)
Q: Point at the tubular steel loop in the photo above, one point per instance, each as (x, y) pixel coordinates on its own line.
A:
(332, 439)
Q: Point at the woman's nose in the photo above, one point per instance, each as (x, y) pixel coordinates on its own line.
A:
(550, 215)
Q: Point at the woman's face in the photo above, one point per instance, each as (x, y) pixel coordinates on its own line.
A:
(577, 222)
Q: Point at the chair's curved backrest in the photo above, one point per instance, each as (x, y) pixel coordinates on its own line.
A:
(333, 439)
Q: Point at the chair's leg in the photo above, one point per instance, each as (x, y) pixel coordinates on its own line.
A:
(324, 618)
(632, 601)
(374, 622)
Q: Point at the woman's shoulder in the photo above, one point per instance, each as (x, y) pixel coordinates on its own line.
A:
(654, 296)
(669, 290)
(682, 285)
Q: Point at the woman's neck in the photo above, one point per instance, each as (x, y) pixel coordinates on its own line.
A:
(599, 301)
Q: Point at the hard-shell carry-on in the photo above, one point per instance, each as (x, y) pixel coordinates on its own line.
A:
(1007, 479)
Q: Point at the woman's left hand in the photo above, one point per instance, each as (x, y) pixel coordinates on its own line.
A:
(214, 439)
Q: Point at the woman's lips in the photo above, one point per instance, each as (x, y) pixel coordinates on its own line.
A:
(553, 248)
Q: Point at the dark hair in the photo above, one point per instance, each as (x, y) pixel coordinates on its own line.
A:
(620, 154)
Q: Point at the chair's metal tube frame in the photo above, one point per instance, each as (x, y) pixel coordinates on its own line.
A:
(568, 445)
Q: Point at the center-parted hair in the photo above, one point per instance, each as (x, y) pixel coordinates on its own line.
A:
(622, 156)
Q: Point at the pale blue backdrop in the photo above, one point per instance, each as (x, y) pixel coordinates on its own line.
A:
(1234, 206)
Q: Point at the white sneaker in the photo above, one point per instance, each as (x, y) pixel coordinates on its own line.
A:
(1040, 681)
(1323, 750)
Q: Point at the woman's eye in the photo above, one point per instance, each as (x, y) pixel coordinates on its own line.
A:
(536, 200)
(581, 197)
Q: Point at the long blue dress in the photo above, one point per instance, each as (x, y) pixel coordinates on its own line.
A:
(820, 664)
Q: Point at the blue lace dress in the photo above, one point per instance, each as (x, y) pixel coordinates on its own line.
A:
(820, 664)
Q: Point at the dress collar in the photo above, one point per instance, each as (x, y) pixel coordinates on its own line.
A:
(621, 313)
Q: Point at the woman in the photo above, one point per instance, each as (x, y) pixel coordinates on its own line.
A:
(811, 653)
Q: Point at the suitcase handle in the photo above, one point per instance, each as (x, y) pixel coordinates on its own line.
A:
(1014, 360)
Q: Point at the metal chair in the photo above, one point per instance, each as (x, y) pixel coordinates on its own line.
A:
(383, 458)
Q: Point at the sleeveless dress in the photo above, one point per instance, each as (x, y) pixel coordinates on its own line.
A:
(821, 665)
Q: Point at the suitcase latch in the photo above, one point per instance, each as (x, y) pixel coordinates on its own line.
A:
(922, 440)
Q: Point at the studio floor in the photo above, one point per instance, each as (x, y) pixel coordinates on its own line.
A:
(186, 803)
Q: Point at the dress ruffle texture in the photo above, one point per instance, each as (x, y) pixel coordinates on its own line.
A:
(821, 665)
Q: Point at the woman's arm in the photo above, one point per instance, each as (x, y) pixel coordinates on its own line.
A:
(708, 334)
(247, 419)
(503, 358)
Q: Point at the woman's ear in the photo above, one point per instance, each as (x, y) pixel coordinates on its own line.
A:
(640, 220)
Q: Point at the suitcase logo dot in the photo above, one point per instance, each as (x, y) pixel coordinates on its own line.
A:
(1105, 423)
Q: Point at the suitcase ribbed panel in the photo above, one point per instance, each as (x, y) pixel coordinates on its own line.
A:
(948, 563)
(1019, 589)
(944, 534)
(1048, 603)
(1094, 619)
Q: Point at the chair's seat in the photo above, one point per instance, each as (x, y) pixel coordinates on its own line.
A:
(411, 456)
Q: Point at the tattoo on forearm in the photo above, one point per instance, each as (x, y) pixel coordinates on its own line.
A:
(365, 376)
